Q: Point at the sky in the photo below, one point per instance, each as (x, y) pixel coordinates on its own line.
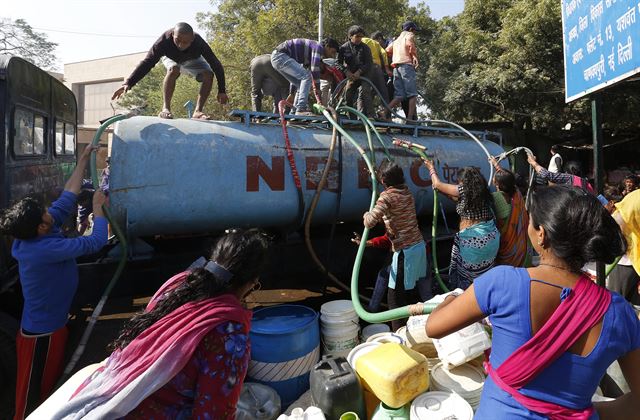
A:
(89, 29)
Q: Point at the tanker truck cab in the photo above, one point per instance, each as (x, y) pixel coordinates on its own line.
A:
(38, 126)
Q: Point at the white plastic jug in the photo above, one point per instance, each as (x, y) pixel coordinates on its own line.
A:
(462, 346)
(311, 413)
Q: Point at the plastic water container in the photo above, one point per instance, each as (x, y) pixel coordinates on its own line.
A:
(416, 329)
(384, 412)
(371, 402)
(311, 413)
(437, 405)
(339, 326)
(257, 402)
(394, 373)
(464, 345)
(285, 345)
(373, 329)
(335, 388)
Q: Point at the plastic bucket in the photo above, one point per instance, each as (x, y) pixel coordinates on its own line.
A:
(440, 405)
(285, 345)
(338, 340)
(374, 329)
(339, 326)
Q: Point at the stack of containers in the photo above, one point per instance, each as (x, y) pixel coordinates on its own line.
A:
(339, 326)
(467, 381)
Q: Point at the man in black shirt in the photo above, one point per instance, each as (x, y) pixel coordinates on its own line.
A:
(354, 59)
(181, 50)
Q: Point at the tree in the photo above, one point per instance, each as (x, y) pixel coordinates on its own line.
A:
(18, 38)
(242, 29)
(503, 60)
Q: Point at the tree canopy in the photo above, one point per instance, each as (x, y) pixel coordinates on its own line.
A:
(18, 38)
(503, 60)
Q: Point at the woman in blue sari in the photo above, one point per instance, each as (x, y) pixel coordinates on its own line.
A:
(476, 244)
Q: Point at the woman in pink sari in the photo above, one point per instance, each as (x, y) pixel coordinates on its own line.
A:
(187, 355)
(554, 331)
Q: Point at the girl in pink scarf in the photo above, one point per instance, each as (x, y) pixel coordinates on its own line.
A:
(186, 356)
(554, 331)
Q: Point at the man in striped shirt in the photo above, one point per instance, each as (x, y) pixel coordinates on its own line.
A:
(299, 60)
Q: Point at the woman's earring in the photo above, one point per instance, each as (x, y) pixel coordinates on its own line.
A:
(257, 286)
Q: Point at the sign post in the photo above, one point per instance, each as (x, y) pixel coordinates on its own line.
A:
(601, 40)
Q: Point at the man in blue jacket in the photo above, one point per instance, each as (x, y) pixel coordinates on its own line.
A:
(49, 279)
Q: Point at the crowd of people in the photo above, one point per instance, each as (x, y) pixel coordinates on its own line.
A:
(555, 331)
(292, 69)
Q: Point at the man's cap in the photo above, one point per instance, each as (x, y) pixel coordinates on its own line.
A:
(408, 25)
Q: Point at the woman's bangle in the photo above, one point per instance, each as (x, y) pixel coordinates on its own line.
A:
(432, 172)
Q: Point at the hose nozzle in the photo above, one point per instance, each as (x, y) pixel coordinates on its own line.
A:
(408, 144)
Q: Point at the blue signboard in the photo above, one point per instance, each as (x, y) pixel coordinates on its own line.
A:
(601, 44)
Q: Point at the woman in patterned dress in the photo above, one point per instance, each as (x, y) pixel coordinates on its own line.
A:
(476, 244)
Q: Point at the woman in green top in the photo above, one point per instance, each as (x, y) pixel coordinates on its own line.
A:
(512, 220)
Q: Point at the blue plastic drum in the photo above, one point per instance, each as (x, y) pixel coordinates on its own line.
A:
(285, 345)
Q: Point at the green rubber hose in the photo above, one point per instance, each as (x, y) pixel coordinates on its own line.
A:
(123, 258)
(368, 122)
(392, 314)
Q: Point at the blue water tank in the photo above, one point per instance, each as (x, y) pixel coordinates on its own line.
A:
(183, 177)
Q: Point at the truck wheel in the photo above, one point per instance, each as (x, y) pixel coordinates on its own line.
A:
(8, 365)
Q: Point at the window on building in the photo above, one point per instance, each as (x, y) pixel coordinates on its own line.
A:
(95, 103)
(29, 133)
(65, 138)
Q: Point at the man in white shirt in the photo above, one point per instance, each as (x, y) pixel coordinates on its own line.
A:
(555, 165)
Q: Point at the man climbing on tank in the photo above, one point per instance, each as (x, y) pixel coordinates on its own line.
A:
(300, 61)
(181, 51)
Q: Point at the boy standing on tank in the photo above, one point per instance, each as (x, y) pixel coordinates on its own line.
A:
(49, 279)
(299, 60)
(405, 62)
(397, 209)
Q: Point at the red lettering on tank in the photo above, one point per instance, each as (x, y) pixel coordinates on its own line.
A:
(273, 176)
(415, 174)
(315, 166)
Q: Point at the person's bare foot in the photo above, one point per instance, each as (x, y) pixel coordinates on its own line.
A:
(166, 114)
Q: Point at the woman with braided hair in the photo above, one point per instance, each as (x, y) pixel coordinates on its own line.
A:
(476, 244)
(186, 355)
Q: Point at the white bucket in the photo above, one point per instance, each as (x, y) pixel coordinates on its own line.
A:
(373, 329)
(440, 405)
(386, 337)
(467, 381)
(464, 345)
(340, 340)
(339, 326)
